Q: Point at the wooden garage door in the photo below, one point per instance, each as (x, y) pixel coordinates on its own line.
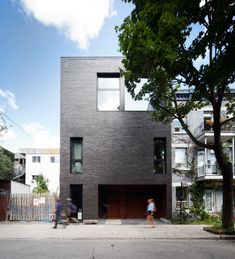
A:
(135, 204)
(130, 201)
(113, 203)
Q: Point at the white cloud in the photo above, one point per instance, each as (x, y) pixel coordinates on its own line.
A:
(10, 134)
(10, 98)
(15, 139)
(41, 137)
(79, 20)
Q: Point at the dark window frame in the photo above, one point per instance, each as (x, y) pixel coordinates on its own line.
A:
(52, 159)
(100, 90)
(159, 163)
(36, 159)
(35, 178)
(76, 140)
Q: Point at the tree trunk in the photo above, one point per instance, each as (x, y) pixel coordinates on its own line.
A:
(227, 214)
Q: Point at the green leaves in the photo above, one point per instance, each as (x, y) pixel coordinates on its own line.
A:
(6, 165)
(177, 44)
(41, 185)
(183, 44)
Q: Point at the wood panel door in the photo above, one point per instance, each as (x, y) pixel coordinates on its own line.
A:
(113, 204)
(135, 205)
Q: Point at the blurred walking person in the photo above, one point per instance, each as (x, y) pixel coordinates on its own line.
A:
(151, 211)
(71, 212)
(58, 210)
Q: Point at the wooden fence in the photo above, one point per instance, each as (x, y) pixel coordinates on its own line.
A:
(31, 207)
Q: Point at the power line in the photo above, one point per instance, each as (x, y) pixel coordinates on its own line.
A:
(15, 123)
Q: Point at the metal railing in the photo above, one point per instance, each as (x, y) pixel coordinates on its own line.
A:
(181, 165)
(211, 170)
(19, 170)
(204, 127)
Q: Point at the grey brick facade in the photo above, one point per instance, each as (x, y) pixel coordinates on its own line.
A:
(117, 145)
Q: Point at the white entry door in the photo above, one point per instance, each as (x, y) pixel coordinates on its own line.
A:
(209, 200)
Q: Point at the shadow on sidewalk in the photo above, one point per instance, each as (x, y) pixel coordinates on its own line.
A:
(129, 222)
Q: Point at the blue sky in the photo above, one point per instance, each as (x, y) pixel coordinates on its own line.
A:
(34, 34)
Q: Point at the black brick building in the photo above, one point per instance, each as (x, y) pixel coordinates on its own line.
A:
(112, 160)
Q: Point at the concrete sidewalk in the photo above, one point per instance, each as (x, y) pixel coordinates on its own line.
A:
(32, 230)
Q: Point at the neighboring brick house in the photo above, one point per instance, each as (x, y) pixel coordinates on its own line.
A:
(113, 155)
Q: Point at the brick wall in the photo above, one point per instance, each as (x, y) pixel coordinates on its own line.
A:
(117, 145)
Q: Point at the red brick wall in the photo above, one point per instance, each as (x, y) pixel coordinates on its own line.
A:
(4, 194)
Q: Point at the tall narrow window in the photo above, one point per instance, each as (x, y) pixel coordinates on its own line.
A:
(108, 92)
(76, 155)
(181, 159)
(159, 156)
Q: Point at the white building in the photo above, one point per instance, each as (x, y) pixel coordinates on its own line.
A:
(192, 163)
(45, 161)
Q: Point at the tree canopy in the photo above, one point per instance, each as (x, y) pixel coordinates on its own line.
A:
(6, 164)
(3, 127)
(189, 45)
(41, 185)
(164, 41)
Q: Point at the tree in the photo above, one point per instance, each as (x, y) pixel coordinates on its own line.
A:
(6, 165)
(3, 127)
(41, 185)
(188, 44)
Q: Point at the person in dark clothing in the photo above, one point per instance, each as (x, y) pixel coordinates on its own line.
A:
(58, 210)
(71, 212)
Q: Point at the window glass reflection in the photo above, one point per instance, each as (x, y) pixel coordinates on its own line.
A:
(159, 156)
(139, 105)
(108, 100)
(108, 83)
(76, 155)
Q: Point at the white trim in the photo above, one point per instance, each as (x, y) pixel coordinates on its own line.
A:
(179, 184)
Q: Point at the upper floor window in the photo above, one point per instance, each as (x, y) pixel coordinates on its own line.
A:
(137, 105)
(181, 159)
(177, 127)
(108, 92)
(52, 159)
(36, 159)
(159, 155)
(76, 155)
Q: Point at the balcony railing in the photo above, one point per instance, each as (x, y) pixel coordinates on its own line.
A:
(183, 166)
(208, 127)
(208, 170)
(19, 170)
(211, 170)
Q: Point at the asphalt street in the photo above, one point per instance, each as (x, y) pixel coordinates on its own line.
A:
(112, 239)
(126, 249)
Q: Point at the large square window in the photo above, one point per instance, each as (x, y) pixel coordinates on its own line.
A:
(137, 105)
(76, 155)
(108, 100)
(108, 92)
